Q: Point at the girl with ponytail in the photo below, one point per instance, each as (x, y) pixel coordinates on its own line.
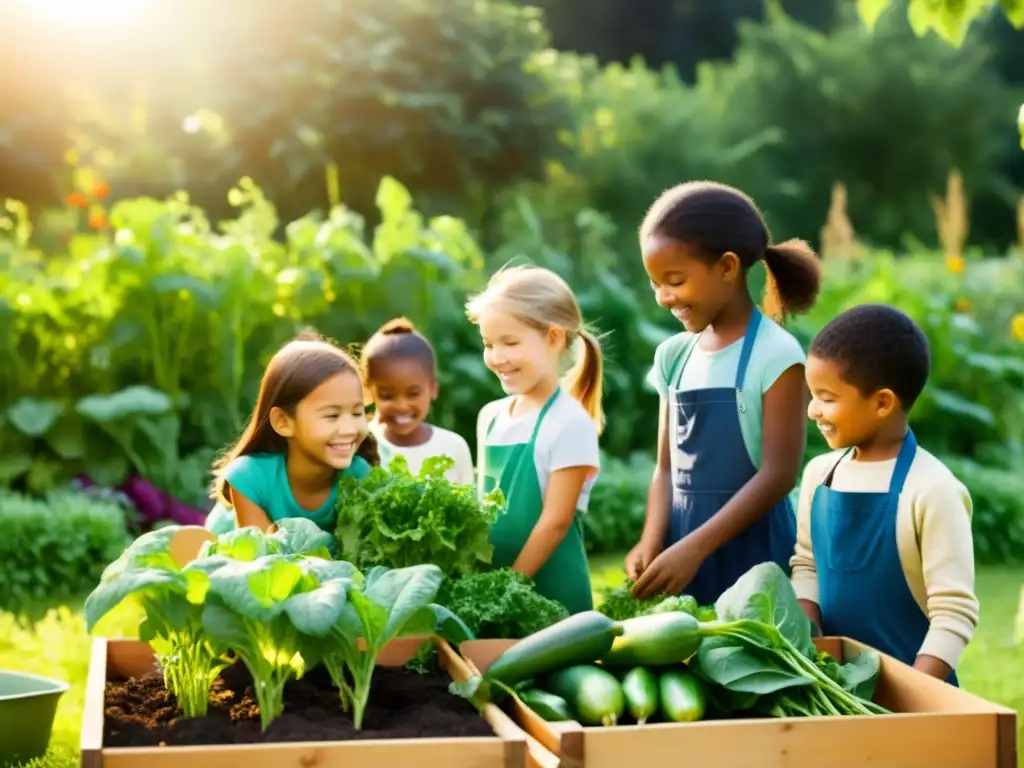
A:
(539, 444)
(732, 422)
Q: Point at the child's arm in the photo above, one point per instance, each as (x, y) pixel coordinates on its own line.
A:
(784, 438)
(557, 517)
(659, 503)
(805, 572)
(248, 513)
(942, 521)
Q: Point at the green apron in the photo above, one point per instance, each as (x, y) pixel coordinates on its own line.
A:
(565, 577)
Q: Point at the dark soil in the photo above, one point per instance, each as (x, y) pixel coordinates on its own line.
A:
(403, 705)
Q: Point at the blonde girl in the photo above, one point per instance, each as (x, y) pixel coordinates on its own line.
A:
(540, 443)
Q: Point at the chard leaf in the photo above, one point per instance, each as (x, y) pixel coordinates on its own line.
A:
(860, 674)
(734, 665)
(111, 591)
(389, 600)
(245, 544)
(258, 588)
(316, 612)
(362, 617)
(765, 594)
(299, 536)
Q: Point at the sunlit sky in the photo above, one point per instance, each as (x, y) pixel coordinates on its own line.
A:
(86, 12)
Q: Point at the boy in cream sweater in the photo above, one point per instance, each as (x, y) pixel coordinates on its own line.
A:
(884, 552)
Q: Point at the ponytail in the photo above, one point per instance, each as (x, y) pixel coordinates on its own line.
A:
(585, 381)
(793, 279)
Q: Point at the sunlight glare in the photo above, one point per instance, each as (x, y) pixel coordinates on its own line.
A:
(93, 12)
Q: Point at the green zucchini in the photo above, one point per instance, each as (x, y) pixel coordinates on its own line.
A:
(550, 707)
(683, 698)
(593, 694)
(655, 640)
(579, 639)
(640, 687)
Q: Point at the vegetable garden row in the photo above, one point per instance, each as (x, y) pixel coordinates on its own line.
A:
(394, 641)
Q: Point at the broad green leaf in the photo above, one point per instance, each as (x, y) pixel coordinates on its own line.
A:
(109, 593)
(244, 544)
(34, 417)
(316, 612)
(299, 536)
(765, 594)
(131, 401)
(733, 665)
(860, 674)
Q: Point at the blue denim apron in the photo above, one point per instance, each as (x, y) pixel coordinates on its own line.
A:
(862, 590)
(710, 463)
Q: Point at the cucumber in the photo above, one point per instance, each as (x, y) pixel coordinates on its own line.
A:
(683, 698)
(640, 687)
(550, 707)
(593, 694)
(579, 639)
(655, 640)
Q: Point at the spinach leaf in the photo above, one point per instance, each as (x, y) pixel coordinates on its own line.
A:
(860, 674)
(743, 667)
(765, 594)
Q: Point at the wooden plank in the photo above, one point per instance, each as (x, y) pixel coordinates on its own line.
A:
(91, 744)
(120, 659)
(901, 741)
(425, 753)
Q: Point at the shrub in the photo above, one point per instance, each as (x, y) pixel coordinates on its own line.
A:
(56, 546)
(618, 503)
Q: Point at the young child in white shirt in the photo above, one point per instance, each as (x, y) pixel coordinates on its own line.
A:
(400, 375)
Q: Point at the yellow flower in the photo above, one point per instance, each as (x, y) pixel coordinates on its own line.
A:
(963, 306)
(955, 264)
(1017, 326)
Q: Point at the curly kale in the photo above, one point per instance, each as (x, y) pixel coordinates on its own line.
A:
(500, 604)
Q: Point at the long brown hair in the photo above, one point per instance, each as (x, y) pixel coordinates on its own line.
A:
(299, 367)
(543, 300)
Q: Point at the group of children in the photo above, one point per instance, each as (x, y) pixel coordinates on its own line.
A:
(879, 547)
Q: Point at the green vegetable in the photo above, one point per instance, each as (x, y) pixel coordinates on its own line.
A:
(619, 604)
(396, 519)
(579, 639)
(640, 687)
(382, 605)
(681, 603)
(500, 604)
(683, 699)
(593, 694)
(550, 707)
(173, 597)
(655, 640)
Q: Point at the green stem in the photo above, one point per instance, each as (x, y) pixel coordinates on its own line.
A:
(363, 679)
(270, 694)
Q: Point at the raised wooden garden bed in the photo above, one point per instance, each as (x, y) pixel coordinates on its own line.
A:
(937, 726)
(412, 720)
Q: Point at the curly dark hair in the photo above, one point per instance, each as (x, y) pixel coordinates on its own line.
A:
(878, 347)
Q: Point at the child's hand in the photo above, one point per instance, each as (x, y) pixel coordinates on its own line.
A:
(640, 557)
(672, 571)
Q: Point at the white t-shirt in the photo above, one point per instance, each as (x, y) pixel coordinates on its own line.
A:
(442, 442)
(567, 438)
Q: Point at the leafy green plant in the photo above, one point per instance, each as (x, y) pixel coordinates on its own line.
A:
(396, 519)
(381, 606)
(56, 546)
(500, 604)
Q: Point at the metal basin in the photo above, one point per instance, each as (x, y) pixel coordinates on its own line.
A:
(28, 704)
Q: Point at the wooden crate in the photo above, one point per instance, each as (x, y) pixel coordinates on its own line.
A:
(510, 747)
(937, 726)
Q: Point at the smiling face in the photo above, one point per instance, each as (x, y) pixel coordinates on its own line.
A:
(523, 357)
(844, 414)
(685, 284)
(329, 424)
(402, 391)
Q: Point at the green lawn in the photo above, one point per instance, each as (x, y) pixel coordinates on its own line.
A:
(57, 646)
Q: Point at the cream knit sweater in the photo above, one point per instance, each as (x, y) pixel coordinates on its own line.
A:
(933, 533)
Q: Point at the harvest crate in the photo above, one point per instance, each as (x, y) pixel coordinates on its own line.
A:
(937, 726)
(510, 747)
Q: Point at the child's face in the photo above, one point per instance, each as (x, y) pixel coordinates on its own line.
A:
(685, 285)
(844, 414)
(520, 355)
(329, 423)
(402, 392)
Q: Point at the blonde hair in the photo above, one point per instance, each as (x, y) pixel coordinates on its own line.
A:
(542, 300)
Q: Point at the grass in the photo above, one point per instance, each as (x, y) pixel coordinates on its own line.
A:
(57, 646)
